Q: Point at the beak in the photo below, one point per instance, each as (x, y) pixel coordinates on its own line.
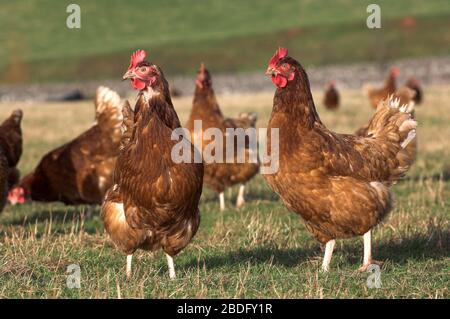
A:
(128, 75)
(271, 71)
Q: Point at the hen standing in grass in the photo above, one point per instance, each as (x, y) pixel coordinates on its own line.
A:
(219, 176)
(338, 183)
(80, 171)
(153, 203)
(331, 97)
(376, 95)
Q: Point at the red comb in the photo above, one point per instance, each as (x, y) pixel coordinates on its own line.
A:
(136, 58)
(281, 53)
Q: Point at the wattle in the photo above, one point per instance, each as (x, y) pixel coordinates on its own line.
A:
(279, 80)
(138, 84)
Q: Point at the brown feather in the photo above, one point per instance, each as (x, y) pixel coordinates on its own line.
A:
(331, 98)
(81, 171)
(158, 198)
(338, 183)
(11, 144)
(219, 176)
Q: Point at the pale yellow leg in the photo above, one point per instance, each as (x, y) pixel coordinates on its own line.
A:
(329, 247)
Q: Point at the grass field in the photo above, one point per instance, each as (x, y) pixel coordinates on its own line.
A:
(230, 36)
(261, 251)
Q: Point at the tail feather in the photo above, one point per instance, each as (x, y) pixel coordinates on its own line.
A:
(395, 126)
(16, 117)
(108, 109)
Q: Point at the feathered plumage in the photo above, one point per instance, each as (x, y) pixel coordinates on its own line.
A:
(154, 201)
(338, 183)
(80, 171)
(219, 176)
(331, 97)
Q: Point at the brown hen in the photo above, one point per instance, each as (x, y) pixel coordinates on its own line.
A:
(80, 171)
(10, 152)
(219, 176)
(153, 203)
(376, 95)
(414, 85)
(331, 97)
(338, 183)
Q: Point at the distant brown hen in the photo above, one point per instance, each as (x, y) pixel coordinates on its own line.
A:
(331, 97)
(376, 95)
(414, 85)
(219, 176)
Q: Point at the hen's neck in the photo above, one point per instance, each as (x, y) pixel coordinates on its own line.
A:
(391, 83)
(156, 103)
(205, 103)
(297, 102)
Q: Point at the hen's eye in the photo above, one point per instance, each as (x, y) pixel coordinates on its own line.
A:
(143, 69)
(285, 65)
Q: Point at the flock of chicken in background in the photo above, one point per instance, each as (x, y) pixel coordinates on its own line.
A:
(338, 183)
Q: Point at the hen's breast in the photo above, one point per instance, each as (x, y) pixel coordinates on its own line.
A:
(150, 176)
(332, 205)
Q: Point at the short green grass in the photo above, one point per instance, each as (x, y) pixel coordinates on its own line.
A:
(229, 36)
(260, 251)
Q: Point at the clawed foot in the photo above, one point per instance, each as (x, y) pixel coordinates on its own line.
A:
(365, 266)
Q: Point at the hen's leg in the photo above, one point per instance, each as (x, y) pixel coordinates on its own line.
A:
(171, 266)
(240, 199)
(328, 253)
(129, 259)
(367, 260)
(222, 201)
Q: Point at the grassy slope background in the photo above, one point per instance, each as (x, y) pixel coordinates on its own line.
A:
(260, 251)
(230, 36)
